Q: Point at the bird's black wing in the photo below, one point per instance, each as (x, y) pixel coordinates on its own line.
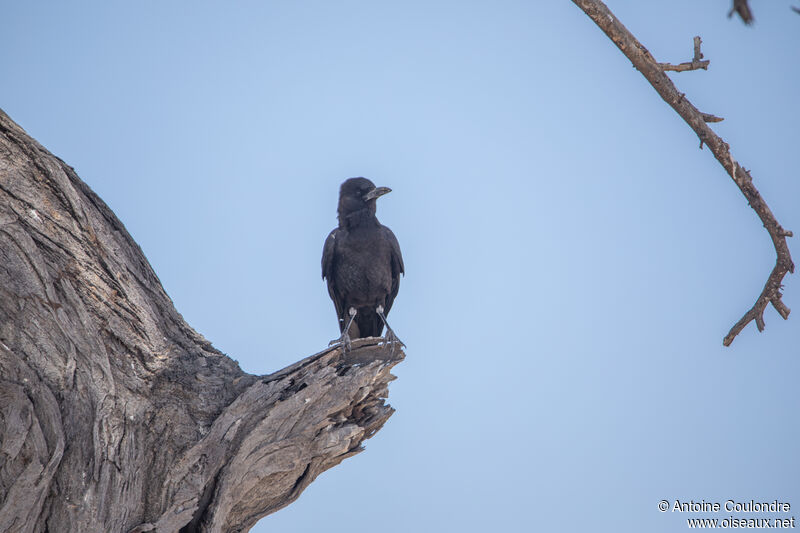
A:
(328, 266)
(397, 265)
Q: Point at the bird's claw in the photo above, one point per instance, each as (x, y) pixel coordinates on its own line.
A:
(344, 341)
(391, 340)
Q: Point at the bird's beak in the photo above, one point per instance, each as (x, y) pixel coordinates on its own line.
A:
(376, 192)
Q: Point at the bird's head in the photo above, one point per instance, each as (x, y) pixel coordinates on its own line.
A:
(357, 194)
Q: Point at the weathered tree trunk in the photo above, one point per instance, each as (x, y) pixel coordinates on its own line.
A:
(115, 415)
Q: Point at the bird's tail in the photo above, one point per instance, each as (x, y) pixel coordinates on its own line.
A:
(369, 323)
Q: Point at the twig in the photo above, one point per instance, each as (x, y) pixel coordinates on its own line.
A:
(694, 64)
(741, 7)
(652, 70)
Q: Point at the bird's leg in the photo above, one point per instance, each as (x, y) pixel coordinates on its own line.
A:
(391, 338)
(346, 333)
(345, 338)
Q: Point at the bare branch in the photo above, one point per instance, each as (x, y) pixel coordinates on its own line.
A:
(683, 67)
(652, 70)
(698, 55)
(707, 117)
(741, 7)
(694, 64)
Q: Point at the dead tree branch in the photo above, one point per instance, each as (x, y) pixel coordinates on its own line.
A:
(743, 10)
(697, 61)
(708, 117)
(653, 71)
(115, 415)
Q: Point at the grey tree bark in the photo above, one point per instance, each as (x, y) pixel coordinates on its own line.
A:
(115, 415)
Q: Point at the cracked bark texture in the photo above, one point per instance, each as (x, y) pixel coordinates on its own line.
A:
(115, 415)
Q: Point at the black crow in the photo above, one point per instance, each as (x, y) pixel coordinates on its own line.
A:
(362, 263)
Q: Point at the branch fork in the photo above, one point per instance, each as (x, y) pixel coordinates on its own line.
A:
(696, 63)
(654, 72)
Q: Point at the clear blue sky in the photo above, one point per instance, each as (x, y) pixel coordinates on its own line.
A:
(573, 259)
